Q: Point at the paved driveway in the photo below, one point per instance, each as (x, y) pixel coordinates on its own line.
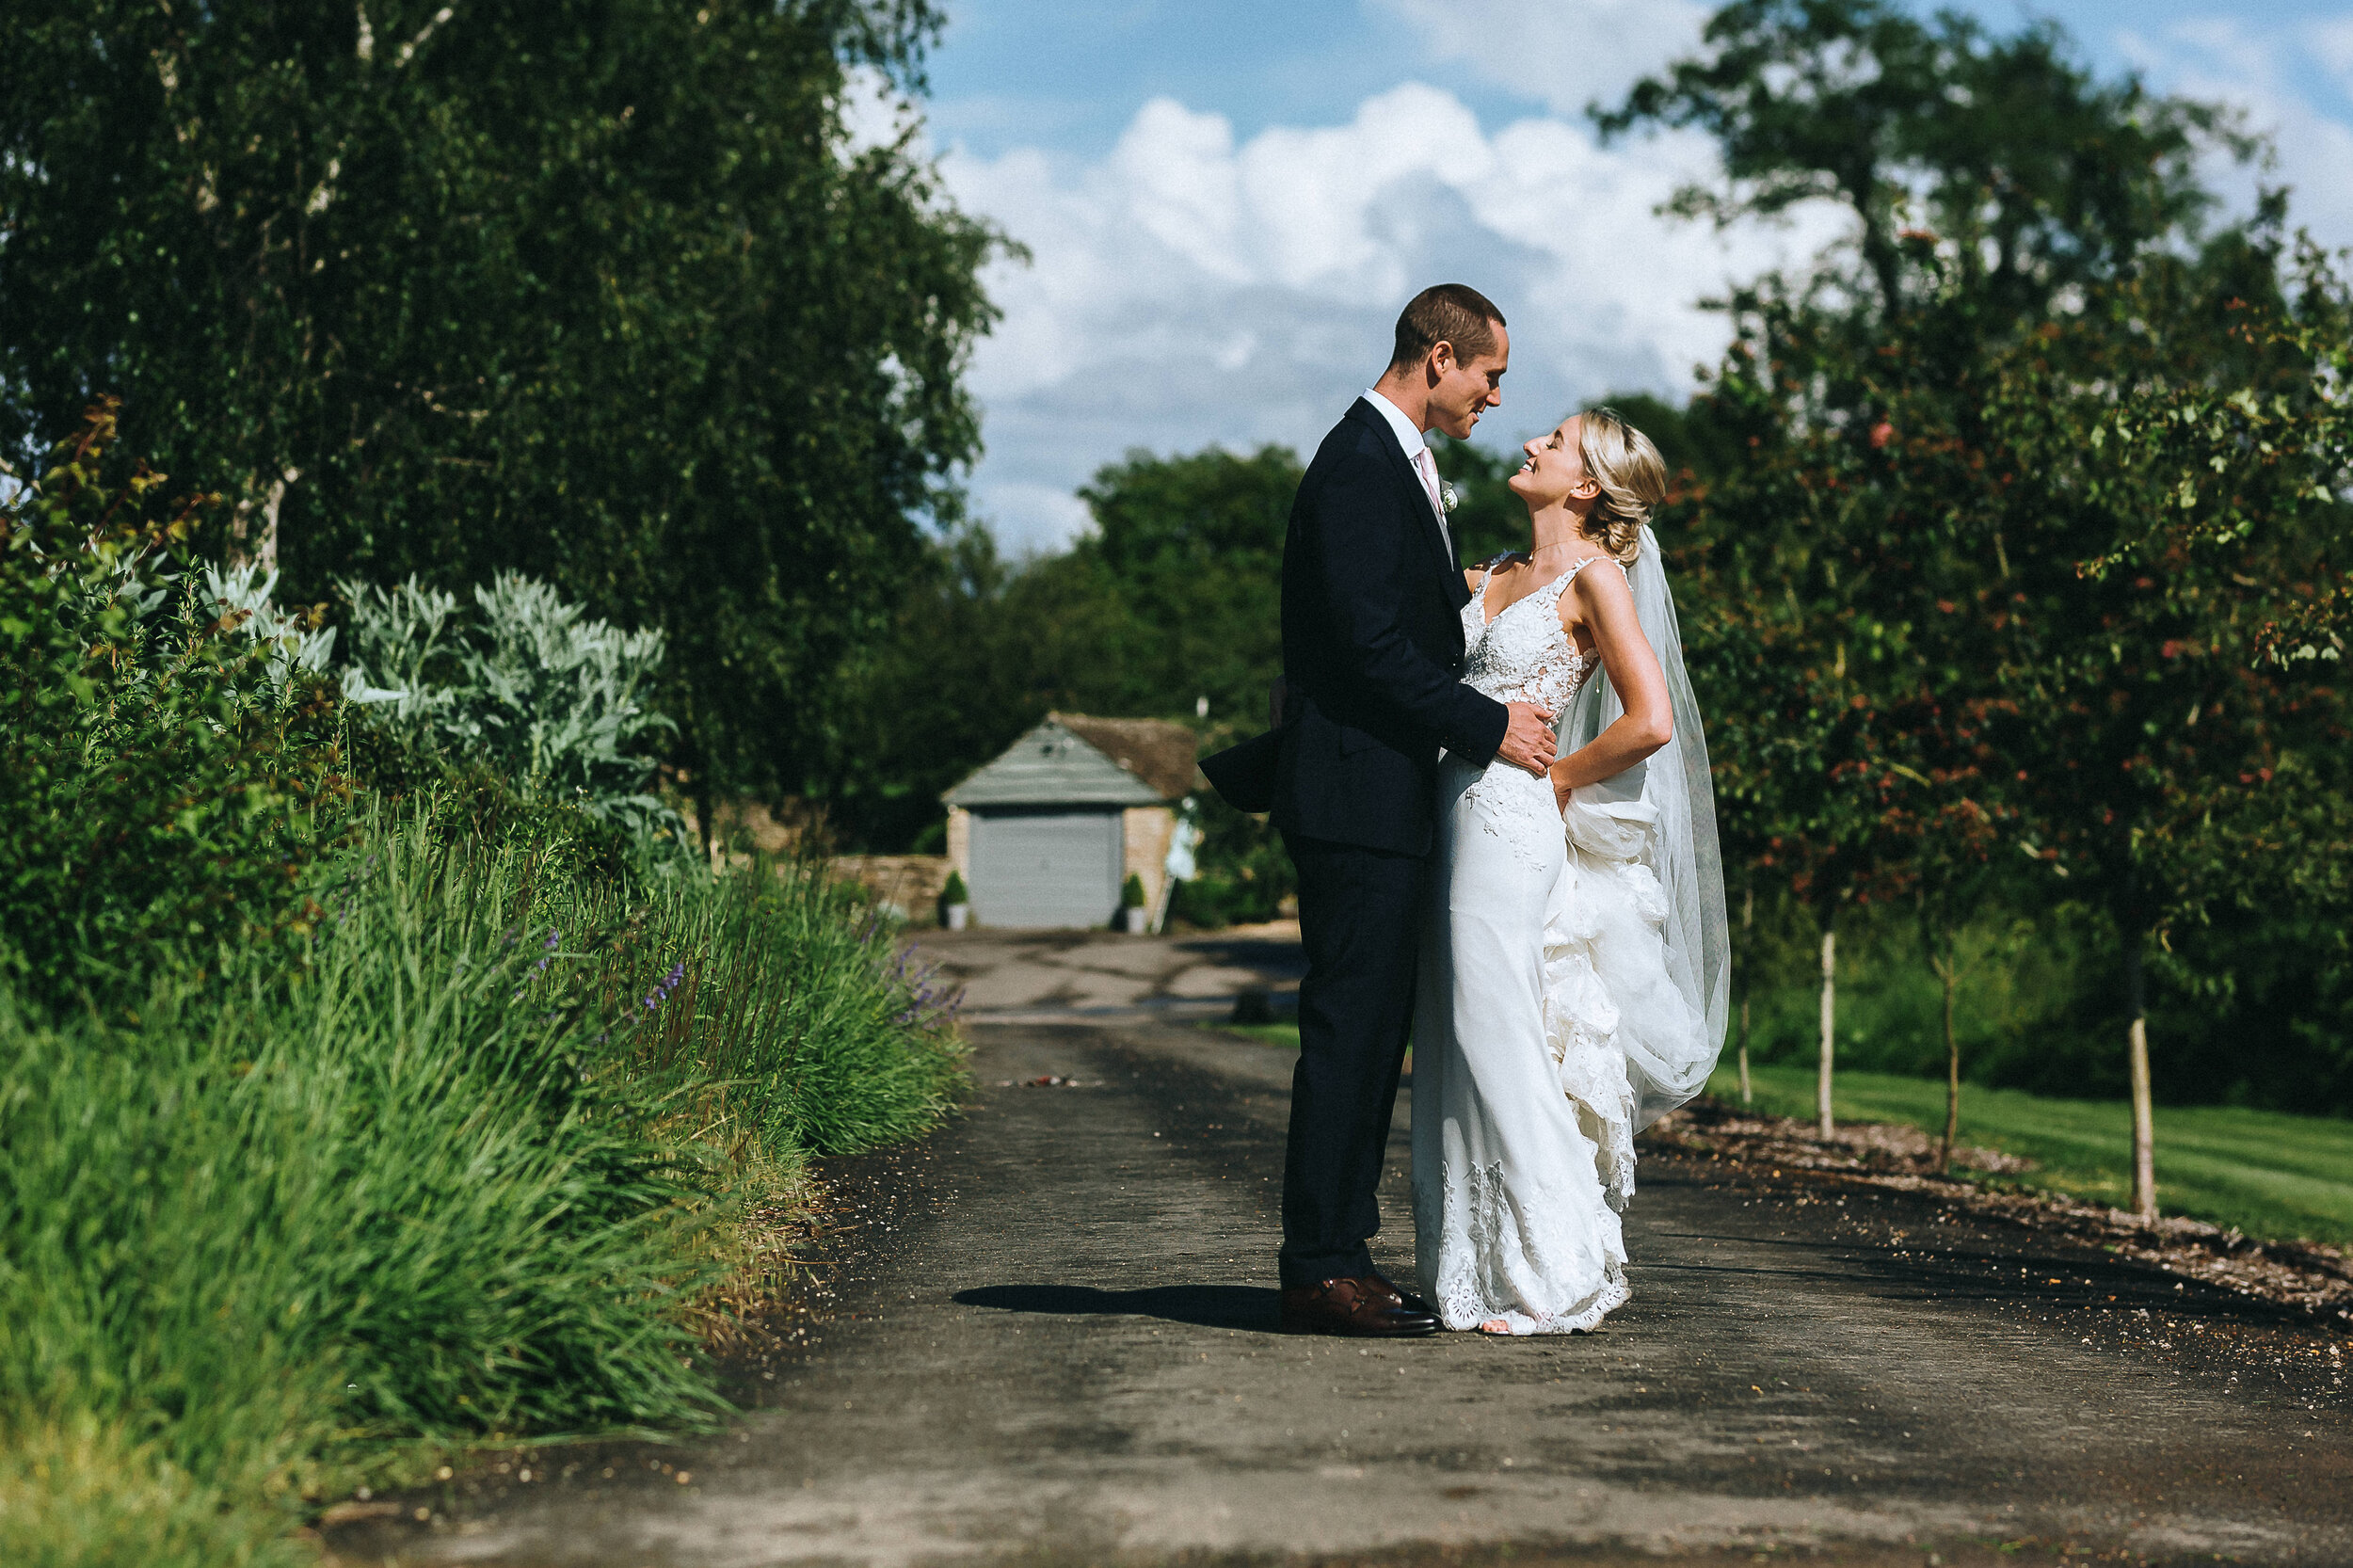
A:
(1097, 977)
(1051, 1345)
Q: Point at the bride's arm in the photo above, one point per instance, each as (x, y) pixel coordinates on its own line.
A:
(1605, 605)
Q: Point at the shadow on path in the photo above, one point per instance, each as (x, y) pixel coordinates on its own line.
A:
(1254, 1307)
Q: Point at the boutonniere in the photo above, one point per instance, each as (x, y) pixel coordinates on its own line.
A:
(1448, 498)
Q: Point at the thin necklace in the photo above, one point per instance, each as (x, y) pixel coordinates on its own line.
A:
(1565, 544)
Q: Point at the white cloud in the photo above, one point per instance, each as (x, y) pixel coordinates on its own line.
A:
(2332, 43)
(1189, 286)
(1188, 289)
(1566, 53)
(2226, 58)
(1032, 519)
(873, 112)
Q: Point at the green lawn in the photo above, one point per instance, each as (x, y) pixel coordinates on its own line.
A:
(2271, 1175)
(1284, 1035)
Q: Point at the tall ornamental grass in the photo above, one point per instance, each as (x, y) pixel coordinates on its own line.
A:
(465, 1171)
(848, 1047)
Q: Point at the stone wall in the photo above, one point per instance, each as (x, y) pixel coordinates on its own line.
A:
(911, 882)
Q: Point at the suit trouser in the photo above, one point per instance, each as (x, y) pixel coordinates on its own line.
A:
(1360, 919)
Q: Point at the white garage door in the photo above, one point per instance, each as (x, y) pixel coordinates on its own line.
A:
(1045, 868)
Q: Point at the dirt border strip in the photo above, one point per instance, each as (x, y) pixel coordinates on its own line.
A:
(2318, 1279)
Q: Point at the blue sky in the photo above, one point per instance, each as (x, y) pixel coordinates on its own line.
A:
(1225, 201)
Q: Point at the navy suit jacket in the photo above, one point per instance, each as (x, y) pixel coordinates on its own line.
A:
(1372, 649)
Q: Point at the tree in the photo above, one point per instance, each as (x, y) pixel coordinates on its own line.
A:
(1955, 865)
(1192, 545)
(1800, 679)
(2267, 451)
(2010, 212)
(2035, 177)
(2185, 767)
(978, 650)
(1171, 599)
(599, 290)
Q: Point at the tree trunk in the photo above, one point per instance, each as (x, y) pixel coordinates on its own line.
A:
(1948, 971)
(2144, 1116)
(1748, 919)
(240, 524)
(1830, 1015)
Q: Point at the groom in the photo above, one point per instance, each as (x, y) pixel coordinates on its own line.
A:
(1372, 665)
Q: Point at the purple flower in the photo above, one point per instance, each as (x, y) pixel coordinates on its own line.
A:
(553, 937)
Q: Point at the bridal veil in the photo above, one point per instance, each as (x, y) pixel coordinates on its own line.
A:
(1668, 1069)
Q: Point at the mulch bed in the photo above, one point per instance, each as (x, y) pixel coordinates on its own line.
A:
(2318, 1278)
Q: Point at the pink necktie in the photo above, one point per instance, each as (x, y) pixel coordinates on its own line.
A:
(1427, 466)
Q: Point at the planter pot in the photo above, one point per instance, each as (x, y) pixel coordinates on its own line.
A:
(1136, 921)
(959, 915)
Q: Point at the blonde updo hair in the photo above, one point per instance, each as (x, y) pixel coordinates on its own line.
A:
(1632, 476)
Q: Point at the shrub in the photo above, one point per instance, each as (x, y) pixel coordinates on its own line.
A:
(436, 1117)
(1242, 872)
(528, 687)
(160, 770)
(471, 1169)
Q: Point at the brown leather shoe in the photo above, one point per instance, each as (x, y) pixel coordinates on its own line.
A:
(1404, 1297)
(1354, 1308)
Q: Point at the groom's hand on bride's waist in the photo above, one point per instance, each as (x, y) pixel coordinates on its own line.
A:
(1527, 744)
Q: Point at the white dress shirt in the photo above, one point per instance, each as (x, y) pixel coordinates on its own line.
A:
(1417, 453)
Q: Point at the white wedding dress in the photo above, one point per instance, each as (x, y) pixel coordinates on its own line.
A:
(1544, 972)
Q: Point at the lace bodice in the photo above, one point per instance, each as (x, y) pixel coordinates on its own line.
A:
(1524, 655)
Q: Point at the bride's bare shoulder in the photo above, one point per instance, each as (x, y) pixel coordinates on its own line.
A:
(1504, 564)
(1603, 581)
(1596, 593)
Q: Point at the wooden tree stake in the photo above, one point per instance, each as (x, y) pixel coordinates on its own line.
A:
(1949, 972)
(1748, 920)
(1830, 1014)
(2144, 1128)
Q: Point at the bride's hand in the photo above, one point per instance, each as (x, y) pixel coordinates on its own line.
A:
(1561, 788)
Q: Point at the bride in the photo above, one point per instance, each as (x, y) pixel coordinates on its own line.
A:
(1574, 972)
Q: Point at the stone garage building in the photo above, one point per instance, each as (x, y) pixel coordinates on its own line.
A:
(1046, 833)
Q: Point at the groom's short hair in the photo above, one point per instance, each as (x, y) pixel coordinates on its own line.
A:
(1445, 313)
